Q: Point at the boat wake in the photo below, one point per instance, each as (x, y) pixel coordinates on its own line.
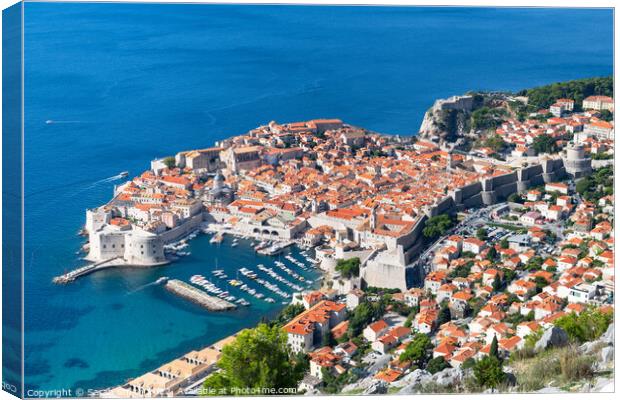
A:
(77, 183)
(112, 178)
(157, 282)
(52, 122)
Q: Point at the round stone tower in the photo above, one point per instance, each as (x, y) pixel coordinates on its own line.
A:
(576, 162)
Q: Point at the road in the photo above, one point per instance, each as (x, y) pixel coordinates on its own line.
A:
(462, 227)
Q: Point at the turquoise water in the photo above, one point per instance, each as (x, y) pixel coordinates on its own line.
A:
(127, 83)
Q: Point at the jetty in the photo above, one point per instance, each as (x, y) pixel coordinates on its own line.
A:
(275, 249)
(85, 270)
(198, 296)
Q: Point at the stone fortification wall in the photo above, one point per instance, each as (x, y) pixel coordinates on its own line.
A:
(385, 275)
(471, 190)
(489, 191)
(144, 250)
(182, 230)
(461, 103)
(413, 248)
(394, 269)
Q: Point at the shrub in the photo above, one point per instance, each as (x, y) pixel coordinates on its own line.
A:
(348, 268)
(538, 373)
(417, 350)
(169, 162)
(437, 364)
(488, 372)
(438, 225)
(562, 366)
(575, 366)
(588, 325)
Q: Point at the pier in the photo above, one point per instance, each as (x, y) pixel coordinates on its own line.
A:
(85, 270)
(198, 296)
(275, 248)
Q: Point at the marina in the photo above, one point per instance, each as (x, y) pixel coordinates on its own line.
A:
(243, 286)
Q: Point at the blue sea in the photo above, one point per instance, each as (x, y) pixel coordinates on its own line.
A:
(125, 83)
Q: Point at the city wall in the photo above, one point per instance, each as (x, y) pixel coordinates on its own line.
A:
(182, 230)
(401, 272)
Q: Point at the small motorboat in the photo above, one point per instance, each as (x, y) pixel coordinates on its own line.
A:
(124, 174)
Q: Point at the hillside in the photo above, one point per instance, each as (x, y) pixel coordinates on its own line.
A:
(544, 96)
(463, 119)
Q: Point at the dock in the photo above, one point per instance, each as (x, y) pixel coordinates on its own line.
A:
(85, 270)
(198, 296)
(276, 248)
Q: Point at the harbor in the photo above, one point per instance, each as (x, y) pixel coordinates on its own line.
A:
(227, 270)
(232, 291)
(219, 260)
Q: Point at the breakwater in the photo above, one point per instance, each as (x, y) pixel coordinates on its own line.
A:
(197, 296)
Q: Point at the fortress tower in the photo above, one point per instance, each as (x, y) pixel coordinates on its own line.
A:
(576, 162)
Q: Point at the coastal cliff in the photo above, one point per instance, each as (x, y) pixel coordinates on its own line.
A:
(465, 118)
(458, 118)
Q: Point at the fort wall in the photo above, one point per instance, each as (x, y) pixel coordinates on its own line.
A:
(397, 269)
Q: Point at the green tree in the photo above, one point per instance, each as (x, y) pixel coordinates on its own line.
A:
(444, 315)
(495, 143)
(515, 198)
(535, 263)
(469, 363)
(462, 271)
(587, 326)
(540, 283)
(488, 372)
(327, 339)
(364, 314)
(481, 234)
(607, 115)
(170, 162)
(493, 351)
(584, 185)
(544, 96)
(288, 313)
(417, 351)
(544, 144)
(497, 283)
(486, 118)
(491, 254)
(258, 358)
(348, 268)
(333, 384)
(437, 226)
(437, 364)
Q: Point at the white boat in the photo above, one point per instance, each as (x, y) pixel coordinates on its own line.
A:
(123, 174)
(217, 238)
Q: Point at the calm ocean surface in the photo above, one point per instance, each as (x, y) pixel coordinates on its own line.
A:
(127, 83)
